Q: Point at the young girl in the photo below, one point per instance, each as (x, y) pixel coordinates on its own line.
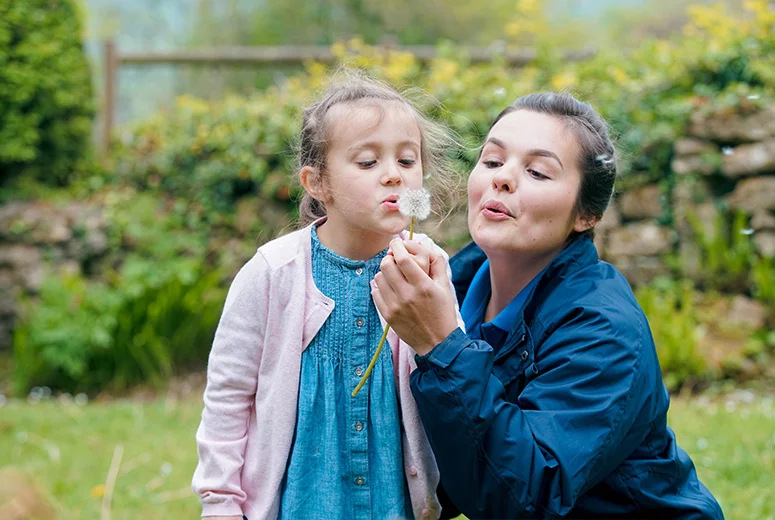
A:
(281, 436)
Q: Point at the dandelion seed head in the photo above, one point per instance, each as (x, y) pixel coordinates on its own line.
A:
(415, 203)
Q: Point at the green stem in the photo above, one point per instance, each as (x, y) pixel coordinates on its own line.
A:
(381, 341)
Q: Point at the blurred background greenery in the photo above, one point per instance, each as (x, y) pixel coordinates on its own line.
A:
(115, 267)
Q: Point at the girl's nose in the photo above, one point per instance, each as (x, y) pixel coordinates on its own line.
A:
(392, 176)
(504, 180)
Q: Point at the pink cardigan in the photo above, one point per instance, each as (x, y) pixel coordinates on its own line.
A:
(272, 312)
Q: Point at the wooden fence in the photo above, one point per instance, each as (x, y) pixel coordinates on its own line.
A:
(269, 55)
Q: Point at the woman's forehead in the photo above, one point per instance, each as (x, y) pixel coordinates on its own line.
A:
(524, 130)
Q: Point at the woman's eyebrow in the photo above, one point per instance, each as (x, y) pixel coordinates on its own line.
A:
(540, 152)
(497, 142)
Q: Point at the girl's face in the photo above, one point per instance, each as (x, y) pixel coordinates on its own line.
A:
(522, 192)
(373, 158)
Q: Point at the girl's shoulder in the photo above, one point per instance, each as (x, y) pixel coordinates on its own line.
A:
(283, 249)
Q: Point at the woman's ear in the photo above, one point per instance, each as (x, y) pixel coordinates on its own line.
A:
(312, 182)
(583, 223)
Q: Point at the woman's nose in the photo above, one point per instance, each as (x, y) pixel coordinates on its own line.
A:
(504, 180)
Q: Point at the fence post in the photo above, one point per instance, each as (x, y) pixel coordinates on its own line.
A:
(110, 66)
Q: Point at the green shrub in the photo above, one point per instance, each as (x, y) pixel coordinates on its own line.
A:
(87, 336)
(763, 280)
(670, 308)
(727, 252)
(46, 105)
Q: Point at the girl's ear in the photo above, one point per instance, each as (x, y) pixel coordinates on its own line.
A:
(311, 181)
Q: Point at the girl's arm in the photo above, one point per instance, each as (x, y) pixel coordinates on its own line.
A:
(232, 378)
(571, 425)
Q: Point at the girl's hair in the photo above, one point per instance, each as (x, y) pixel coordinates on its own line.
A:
(356, 88)
(597, 157)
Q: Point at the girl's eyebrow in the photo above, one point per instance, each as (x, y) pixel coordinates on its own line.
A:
(378, 144)
(539, 152)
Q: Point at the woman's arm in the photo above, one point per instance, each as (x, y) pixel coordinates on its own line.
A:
(570, 427)
(232, 378)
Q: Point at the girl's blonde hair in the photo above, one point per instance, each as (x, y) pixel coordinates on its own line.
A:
(355, 87)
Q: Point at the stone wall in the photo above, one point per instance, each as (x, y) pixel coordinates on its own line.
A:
(36, 235)
(726, 159)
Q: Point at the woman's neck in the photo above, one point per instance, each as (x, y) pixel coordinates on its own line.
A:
(509, 274)
(352, 244)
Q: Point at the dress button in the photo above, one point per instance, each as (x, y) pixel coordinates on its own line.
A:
(359, 271)
(358, 426)
(359, 371)
(359, 322)
(524, 354)
(360, 481)
(426, 512)
(413, 471)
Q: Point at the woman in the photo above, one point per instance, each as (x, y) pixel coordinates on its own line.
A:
(552, 404)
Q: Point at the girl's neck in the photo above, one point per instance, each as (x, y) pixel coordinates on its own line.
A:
(509, 274)
(351, 243)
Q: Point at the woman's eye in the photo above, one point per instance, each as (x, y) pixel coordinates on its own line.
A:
(492, 164)
(536, 174)
(366, 164)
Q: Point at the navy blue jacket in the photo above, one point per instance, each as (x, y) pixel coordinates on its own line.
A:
(568, 418)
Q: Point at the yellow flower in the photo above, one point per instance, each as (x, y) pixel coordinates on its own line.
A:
(563, 80)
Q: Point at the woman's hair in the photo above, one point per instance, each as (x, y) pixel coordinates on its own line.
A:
(355, 88)
(597, 156)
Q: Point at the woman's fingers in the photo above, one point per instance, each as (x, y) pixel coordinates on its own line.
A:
(414, 264)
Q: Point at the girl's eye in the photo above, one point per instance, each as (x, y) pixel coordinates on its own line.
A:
(536, 174)
(407, 162)
(492, 164)
(366, 164)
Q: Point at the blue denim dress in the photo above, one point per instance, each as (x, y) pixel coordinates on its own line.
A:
(346, 461)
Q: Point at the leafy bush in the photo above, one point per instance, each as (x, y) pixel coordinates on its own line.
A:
(726, 253)
(670, 308)
(86, 336)
(46, 105)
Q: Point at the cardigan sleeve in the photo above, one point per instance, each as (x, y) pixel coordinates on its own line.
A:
(232, 379)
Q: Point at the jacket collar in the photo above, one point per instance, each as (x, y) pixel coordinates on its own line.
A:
(579, 252)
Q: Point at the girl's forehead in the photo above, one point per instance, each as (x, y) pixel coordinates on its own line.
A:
(352, 121)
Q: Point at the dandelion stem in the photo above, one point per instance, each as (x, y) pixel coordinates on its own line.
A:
(382, 340)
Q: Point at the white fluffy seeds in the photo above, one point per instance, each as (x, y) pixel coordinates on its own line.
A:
(415, 203)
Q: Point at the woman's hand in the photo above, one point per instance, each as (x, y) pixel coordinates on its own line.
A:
(418, 304)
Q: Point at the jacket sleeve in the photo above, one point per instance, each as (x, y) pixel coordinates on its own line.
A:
(567, 430)
(232, 379)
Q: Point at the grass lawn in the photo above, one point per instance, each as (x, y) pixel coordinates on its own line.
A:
(68, 449)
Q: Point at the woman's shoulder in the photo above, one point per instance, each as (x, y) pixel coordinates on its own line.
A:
(596, 292)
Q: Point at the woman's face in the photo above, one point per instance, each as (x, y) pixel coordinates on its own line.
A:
(522, 192)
